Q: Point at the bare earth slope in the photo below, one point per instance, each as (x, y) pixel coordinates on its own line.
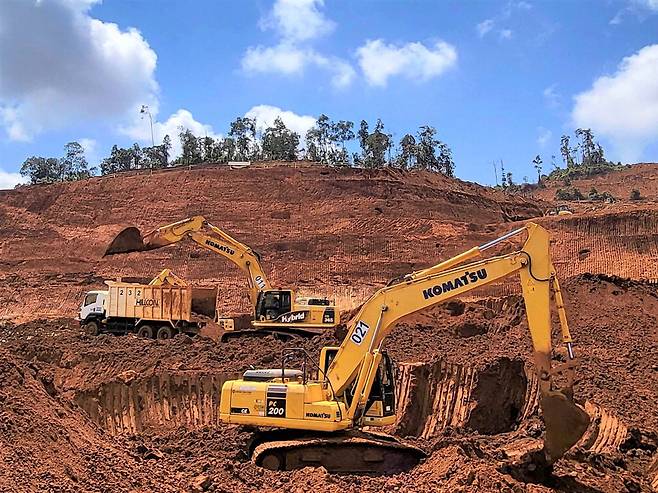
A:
(79, 413)
(327, 230)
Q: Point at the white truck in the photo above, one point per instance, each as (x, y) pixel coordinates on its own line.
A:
(159, 311)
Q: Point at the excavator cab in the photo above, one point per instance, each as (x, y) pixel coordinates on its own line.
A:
(272, 304)
(381, 406)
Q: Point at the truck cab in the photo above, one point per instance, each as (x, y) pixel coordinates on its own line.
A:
(93, 306)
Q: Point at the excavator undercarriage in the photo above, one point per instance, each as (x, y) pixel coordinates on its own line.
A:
(353, 451)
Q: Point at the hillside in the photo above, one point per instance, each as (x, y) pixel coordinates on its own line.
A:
(642, 177)
(340, 231)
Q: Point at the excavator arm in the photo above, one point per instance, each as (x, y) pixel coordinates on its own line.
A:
(354, 367)
(204, 234)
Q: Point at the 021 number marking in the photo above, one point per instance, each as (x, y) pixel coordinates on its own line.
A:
(360, 332)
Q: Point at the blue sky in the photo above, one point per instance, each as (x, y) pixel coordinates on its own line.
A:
(499, 80)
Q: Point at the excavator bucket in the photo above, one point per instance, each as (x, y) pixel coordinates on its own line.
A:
(565, 422)
(129, 240)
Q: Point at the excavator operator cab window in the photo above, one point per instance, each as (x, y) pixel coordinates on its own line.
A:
(272, 304)
(383, 387)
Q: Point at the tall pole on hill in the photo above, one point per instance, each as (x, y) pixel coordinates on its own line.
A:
(143, 111)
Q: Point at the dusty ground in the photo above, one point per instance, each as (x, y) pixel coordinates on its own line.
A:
(50, 371)
(75, 411)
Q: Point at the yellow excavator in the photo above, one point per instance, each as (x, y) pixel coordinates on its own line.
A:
(275, 311)
(319, 421)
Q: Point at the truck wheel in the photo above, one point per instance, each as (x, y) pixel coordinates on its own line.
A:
(165, 333)
(145, 331)
(91, 328)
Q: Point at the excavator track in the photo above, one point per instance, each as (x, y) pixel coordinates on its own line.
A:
(350, 452)
(282, 333)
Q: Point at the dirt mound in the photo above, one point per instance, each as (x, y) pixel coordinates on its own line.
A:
(46, 444)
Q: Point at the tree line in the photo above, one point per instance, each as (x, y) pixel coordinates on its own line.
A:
(582, 156)
(326, 142)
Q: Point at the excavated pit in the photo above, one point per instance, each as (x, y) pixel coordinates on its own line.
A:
(430, 396)
(437, 395)
(160, 403)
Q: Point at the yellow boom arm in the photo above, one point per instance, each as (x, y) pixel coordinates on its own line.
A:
(214, 239)
(355, 364)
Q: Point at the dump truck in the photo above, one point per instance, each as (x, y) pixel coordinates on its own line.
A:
(156, 310)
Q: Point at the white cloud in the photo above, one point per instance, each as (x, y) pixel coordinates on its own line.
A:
(140, 129)
(484, 27)
(74, 68)
(544, 136)
(379, 60)
(551, 96)
(505, 34)
(624, 106)
(265, 116)
(649, 4)
(638, 8)
(282, 58)
(89, 146)
(289, 59)
(10, 180)
(298, 20)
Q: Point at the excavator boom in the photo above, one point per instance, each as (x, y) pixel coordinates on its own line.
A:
(202, 233)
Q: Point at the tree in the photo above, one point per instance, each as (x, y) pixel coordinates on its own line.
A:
(446, 164)
(192, 152)
(537, 163)
(208, 144)
(165, 152)
(325, 142)
(280, 143)
(157, 157)
(73, 166)
(432, 154)
(243, 132)
(374, 146)
(635, 194)
(121, 159)
(40, 169)
(566, 151)
(341, 132)
(407, 157)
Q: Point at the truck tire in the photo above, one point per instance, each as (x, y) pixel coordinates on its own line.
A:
(91, 328)
(165, 332)
(145, 331)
